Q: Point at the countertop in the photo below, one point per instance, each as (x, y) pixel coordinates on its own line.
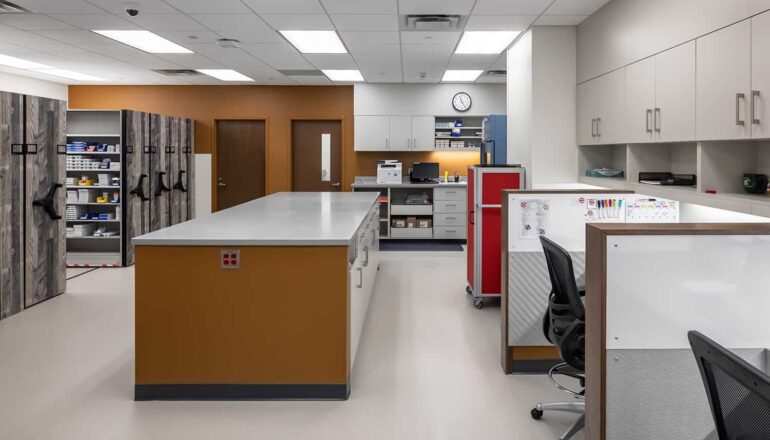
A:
(371, 182)
(282, 219)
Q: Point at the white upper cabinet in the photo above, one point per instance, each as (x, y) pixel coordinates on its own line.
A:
(640, 102)
(723, 83)
(400, 138)
(759, 108)
(371, 133)
(586, 122)
(601, 104)
(674, 112)
(423, 133)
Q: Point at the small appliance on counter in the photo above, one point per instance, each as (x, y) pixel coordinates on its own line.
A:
(424, 172)
(389, 171)
(755, 183)
(667, 179)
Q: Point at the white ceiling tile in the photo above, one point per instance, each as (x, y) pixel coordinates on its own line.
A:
(252, 35)
(350, 37)
(96, 21)
(575, 7)
(355, 22)
(167, 22)
(491, 79)
(74, 37)
(130, 55)
(467, 61)
(383, 62)
(209, 6)
(501, 63)
(517, 7)
(462, 7)
(278, 56)
(312, 80)
(53, 47)
(422, 37)
(147, 7)
(296, 22)
(34, 22)
(190, 60)
(382, 77)
(427, 50)
(361, 6)
(374, 49)
(499, 22)
(285, 6)
(218, 22)
(332, 61)
(58, 6)
(560, 20)
(190, 37)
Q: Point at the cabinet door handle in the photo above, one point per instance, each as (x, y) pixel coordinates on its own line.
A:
(738, 97)
(593, 127)
(598, 127)
(360, 277)
(387, 143)
(648, 117)
(366, 260)
(754, 97)
(657, 121)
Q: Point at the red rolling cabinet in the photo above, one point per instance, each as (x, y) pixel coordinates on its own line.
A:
(485, 185)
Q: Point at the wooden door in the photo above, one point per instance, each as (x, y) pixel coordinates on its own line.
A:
(760, 76)
(723, 69)
(11, 207)
(640, 101)
(316, 156)
(136, 172)
(240, 162)
(44, 228)
(675, 94)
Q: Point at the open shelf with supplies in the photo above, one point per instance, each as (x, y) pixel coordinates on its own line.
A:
(458, 133)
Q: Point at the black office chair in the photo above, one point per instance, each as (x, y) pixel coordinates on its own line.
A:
(564, 326)
(739, 394)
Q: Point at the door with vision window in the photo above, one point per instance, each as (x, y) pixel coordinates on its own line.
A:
(316, 155)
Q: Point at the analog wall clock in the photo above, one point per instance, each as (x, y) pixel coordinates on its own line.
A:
(461, 102)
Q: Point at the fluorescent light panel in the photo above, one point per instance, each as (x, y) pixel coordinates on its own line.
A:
(315, 41)
(144, 40)
(19, 63)
(485, 42)
(343, 75)
(225, 74)
(64, 73)
(461, 75)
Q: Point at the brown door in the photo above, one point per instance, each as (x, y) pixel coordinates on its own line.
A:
(316, 155)
(240, 162)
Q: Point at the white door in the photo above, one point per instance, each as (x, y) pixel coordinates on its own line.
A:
(723, 66)
(640, 102)
(586, 116)
(674, 118)
(371, 133)
(760, 77)
(400, 133)
(610, 99)
(423, 133)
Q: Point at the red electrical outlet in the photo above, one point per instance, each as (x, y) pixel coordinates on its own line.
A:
(229, 259)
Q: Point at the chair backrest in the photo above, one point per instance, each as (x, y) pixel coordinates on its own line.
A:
(739, 393)
(564, 324)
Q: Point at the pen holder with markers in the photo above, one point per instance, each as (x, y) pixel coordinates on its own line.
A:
(611, 210)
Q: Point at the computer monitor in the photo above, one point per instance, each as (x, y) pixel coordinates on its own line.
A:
(424, 171)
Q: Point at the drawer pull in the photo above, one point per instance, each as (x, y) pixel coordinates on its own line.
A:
(451, 231)
(360, 278)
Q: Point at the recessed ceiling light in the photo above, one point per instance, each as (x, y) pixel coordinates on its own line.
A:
(343, 75)
(19, 63)
(486, 42)
(461, 75)
(145, 40)
(69, 74)
(225, 75)
(315, 41)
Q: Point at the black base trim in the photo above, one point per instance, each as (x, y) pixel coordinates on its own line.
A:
(535, 366)
(243, 392)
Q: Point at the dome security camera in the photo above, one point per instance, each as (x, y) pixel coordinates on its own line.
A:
(132, 9)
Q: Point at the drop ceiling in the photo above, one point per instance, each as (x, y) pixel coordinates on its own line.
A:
(58, 33)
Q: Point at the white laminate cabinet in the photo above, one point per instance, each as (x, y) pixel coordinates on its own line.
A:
(601, 106)
(423, 133)
(400, 133)
(640, 102)
(759, 113)
(372, 133)
(586, 119)
(723, 83)
(674, 112)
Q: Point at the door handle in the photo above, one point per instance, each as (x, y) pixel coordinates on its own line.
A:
(738, 97)
(648, 116)
(221, 182)
(754, 97)
(656, 120)
(139, 190)
(360, 277)
(179, 185)
(47, 202)
(161, 185)
(336, 184)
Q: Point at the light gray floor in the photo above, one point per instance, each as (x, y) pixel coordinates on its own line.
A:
(428, 368)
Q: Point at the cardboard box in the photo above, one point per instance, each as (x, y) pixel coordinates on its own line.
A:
(398, 223)
(425, 223)
(411, 222)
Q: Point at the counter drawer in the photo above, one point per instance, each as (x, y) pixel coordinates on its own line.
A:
(411, 209)
(450, 194)
(411, 232)
(449, 232)
(449, 219)
(449, 206)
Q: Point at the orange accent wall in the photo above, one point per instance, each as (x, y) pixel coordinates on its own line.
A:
(277, 105)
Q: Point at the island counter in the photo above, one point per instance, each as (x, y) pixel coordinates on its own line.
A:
(265, 300)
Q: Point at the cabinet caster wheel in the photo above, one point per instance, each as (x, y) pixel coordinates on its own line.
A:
(468, 290)
(536, 413)
(478, 303)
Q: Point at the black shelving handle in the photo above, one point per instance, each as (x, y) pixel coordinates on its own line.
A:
(47, 202)
(139, 190)
(180, 182)
(161, 185)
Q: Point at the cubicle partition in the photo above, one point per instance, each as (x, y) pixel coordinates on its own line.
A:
(647, 286)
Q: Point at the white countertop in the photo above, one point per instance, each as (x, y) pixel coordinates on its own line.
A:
(283, 219)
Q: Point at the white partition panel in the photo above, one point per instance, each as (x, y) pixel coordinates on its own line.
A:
(660, 287)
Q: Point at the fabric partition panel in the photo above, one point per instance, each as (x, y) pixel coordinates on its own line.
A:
(11, 209)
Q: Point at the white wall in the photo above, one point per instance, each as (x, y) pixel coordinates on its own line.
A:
(626, 31)
(426, 99)
(31, 86)
(542, 101)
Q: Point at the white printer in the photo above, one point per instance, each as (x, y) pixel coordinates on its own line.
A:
(389, 171)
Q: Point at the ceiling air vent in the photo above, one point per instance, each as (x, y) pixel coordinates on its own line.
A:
(7, 7)
(432, 22)
(496, 73)
(177, 72)
(301, 72)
